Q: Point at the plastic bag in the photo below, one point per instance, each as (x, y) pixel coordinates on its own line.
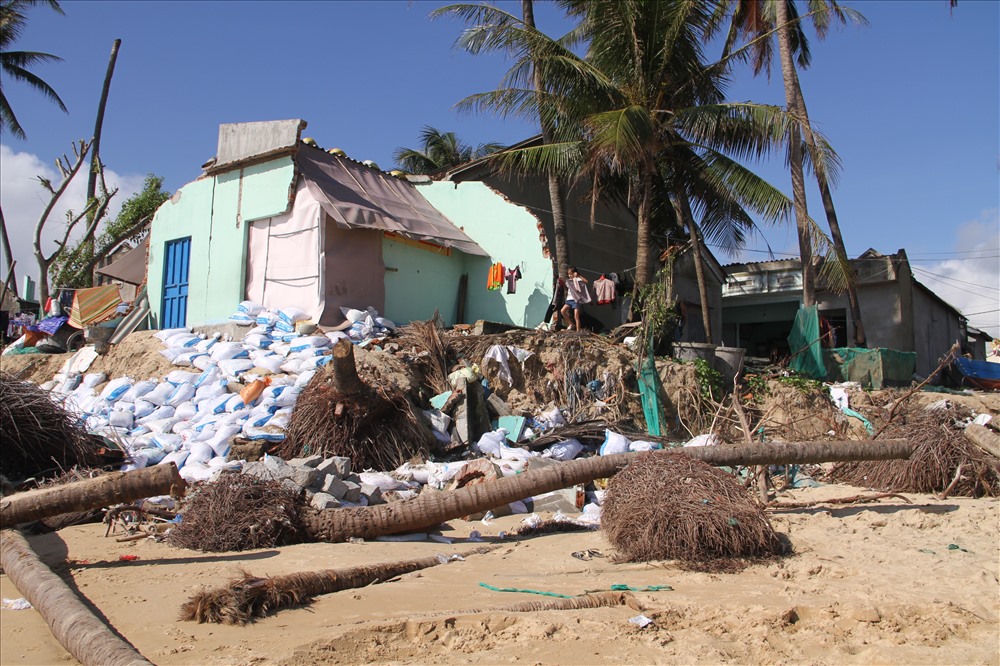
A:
(565, 450)
(614, 443)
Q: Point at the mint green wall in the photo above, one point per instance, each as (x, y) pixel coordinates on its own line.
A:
(509, 233)
(214, 213)
(422, 282)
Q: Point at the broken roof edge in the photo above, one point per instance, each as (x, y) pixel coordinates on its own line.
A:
(242, 144)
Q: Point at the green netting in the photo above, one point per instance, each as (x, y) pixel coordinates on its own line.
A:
(803, 342)
(872, 368)
(649, 391)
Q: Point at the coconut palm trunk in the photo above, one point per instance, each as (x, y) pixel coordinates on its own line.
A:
(75, 626)
(556, 196)
(795, 155)
(106, 490)
(699, 265)
(433, 508)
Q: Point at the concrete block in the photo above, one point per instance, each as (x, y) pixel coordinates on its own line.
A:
(353, 493)
(333, 486)
(308, 461)
(303, 476)
(329, 466)
(373, 493)
(324, 501)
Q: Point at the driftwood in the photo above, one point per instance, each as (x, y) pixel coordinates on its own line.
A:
(853, 499)
(429, 509)
(592, 600)
(249, 597)
(83, 635)
(105, 490)
(984, 438)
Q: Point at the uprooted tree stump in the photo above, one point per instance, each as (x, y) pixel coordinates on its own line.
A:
(338, 414)
(105, 490)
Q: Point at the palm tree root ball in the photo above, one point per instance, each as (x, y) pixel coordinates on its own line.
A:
(668, 506)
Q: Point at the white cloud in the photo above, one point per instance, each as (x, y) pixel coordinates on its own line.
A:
(23, 198)
(971, 280)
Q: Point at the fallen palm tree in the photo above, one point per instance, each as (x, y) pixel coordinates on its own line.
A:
(672, 507)
(429, 509)
(592, 600)
(39, 436)
(75, 626)
(249, 597)
(105, 490)
(943, 458)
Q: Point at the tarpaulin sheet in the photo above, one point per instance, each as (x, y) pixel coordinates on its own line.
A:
(49, 325)
(872, 368)
(359, 197)
(131, 267)
(94, 305)
(285, 257)
(804, 344)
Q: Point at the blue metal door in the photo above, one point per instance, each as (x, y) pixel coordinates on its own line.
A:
(177, 260)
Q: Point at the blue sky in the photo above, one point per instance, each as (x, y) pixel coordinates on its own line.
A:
(911, 102)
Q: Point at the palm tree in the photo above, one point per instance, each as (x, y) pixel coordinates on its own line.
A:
(440, 150)
(758, 20)
(641, 107)
(17, 64)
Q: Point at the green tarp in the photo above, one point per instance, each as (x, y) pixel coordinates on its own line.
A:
(804, 345)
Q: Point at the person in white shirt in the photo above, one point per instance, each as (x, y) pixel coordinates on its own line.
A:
(576, 295)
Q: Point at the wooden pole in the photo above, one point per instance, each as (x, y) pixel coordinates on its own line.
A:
(114, 488)
(345, 372)
(77, 629)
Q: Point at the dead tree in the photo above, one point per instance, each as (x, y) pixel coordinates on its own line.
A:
(93, 211)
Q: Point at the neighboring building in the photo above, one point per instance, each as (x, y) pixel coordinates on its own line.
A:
(125, 266)
(760, 301)
(601, 241)
(688, 296)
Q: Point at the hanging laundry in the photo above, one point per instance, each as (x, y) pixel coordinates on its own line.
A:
(605, 290)
(495, 278)
(576, 290)
(512, 275)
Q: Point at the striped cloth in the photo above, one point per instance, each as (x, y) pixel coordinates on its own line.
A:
(94, 305)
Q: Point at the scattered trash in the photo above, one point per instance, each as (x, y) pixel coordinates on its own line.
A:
(15, 604)
(587, 555)
(641, 620)
(128, 558)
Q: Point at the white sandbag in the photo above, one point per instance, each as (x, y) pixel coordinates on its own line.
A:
(644, 446)
(182, 340)
(195, 472)
(704, 440)
(159, 395)
(168, 333)
(352, 315)
(265, 434)
(116, 388)
(161, 412)
(225, 351)
(383, 481)
(216, 405)
(235, 367)
(564, 450)
(304, 378)
(267, 318)
(186, 410)
(207, 344)
(494, 444)
(242, 319)
(208, 375)
(203, 362)
(337, 336)
(259, 330)
(181, 426)
(135, 461)
(258, 340)
(614, 443)
(250, 308)
(143, 408)
(181, 394)
(201, 452)
(187, 359)
(138, 390)
(259, 420)
(292, 366)
(223, 438)
(119, 418)
(182, 377)
(315, 362)
(235, 403)
(281, 418)
(152, 454)
(290, 315)
(177, 457)
(162, 425)
(121, 405)
(92, 379)
(209, 391)
(385, 323)
(172, 353)
(287, 397)
(309, 341)
(270, 363)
